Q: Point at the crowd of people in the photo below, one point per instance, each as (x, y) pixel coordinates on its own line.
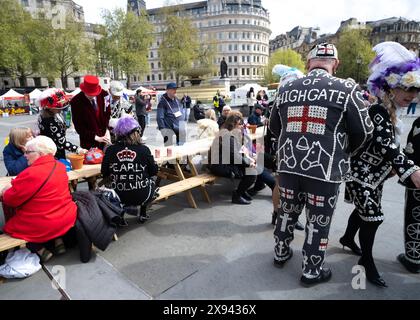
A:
(322, 131)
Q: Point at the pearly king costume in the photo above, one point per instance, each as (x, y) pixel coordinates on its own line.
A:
(320, 120)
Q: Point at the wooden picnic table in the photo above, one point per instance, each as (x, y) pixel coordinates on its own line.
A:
(180, 155)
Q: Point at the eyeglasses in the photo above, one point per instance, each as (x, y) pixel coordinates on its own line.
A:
(29, 151)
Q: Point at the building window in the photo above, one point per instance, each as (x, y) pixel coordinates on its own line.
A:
(160, 77)
(159, 65)
(148, 78)
(230, 72)
(151, 54)
(230, 21)
(230, 59)
(25, 3)
(153, 77)
(235, 59)
(243, 47)
(235, 72)
(248, 59)
(230, 47)
(247, 71)
(243, 58)
(236, 47)
(243, 71)
(152, 65)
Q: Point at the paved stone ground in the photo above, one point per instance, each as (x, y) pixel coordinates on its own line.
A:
(222, 251)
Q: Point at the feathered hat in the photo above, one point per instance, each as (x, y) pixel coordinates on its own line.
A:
(286, 73)
(53, 98)
(394, 66)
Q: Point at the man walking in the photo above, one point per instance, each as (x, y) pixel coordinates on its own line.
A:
(320, 120)
(141, 111)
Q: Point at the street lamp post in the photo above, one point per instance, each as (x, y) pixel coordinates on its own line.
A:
(358, 62)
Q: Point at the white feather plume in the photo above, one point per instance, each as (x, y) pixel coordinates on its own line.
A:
(389, 54)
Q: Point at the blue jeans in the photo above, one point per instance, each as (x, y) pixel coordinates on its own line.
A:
(412, 107)
(266, 178)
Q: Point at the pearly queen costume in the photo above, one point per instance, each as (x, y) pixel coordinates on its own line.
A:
(320, 120)
(373, 165)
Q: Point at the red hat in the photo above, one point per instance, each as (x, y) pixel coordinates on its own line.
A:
(53, 99)
(90, 86)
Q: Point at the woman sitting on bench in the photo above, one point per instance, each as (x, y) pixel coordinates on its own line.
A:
(13, 153)
(43, 207)
(230, 158)
(130, 166)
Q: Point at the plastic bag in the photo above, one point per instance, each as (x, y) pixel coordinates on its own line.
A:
(20, 264)
(94, 156)
(66, 163)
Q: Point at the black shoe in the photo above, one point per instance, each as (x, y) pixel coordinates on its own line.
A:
(324, 276)
(274, 218)
(237, 199)
(299, 226)
(246, 196)
(351, 245)
(280, 264)
(411, 267)
(143, 218)
(372, 275)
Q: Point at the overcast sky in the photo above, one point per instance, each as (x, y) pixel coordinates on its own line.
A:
(286, 14)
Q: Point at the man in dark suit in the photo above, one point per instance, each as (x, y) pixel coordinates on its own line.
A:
(91, 114)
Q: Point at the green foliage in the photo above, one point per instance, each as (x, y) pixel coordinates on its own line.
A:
(127, 41)
(180, 46)
(23, 41)
(69, 51)
(286, 57)
(353, 47)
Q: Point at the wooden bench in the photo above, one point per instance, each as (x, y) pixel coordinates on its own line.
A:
(7, 242)
(183, 185)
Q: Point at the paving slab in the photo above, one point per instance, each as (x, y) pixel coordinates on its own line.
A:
(96, 280)
(36, 287)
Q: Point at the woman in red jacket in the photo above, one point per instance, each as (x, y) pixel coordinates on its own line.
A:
(44, 209)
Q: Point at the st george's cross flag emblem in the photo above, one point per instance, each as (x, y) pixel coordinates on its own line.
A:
(307, 119)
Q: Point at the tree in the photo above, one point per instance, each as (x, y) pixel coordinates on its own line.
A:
(203, 61)
(23, 42)
(355, 54)
(286, 57)
(70, 51)
(180, 46)
(127, 41)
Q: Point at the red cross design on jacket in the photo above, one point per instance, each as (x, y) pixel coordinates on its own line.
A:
(307, 119)
(317, 201)
(287, 194)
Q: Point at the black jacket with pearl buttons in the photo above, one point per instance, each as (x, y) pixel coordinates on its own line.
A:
(372, 165)
(55, 128)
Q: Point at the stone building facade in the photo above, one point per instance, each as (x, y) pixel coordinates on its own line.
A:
(241, 29)
(56, 11)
